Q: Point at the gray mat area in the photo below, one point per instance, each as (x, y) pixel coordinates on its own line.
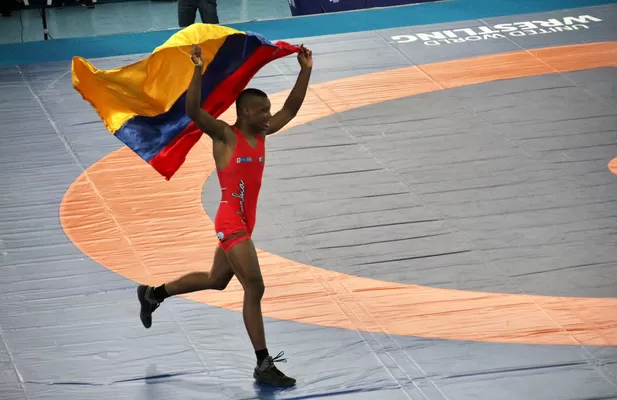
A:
(498, 187)
(541, 199)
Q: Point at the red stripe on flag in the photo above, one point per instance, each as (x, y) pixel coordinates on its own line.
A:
(171, 157)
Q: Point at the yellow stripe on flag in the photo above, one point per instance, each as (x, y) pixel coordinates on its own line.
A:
(152, 85)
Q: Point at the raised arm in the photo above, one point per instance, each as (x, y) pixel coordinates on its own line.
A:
(202, 119)
(296, 97)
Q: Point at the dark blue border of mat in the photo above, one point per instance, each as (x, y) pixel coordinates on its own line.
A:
(298, 27)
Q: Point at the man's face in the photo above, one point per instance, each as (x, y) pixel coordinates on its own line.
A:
(258, 113)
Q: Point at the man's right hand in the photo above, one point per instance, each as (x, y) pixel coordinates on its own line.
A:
(196, 56)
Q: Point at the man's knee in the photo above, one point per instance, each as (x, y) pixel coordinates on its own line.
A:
(254, 287)
(243, 258)
(220, 285)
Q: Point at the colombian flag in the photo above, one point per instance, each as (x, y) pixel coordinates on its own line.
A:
(143, 104)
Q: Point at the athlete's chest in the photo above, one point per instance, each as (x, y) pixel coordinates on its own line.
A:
(249, 157)
(249, 161)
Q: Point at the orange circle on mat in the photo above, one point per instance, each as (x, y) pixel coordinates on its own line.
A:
(612, 166)
(123, 215)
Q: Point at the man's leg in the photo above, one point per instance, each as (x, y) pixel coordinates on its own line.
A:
(208, 11)
(245, 265)
(216, 279)
(187, 11)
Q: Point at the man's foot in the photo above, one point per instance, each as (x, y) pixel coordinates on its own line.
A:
(148, 304)
(266, 372)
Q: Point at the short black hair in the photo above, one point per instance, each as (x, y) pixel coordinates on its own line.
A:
(245, 95)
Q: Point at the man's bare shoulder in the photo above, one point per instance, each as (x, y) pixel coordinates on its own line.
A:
(226, 132)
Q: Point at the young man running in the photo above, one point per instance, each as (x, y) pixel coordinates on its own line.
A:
(239, 155)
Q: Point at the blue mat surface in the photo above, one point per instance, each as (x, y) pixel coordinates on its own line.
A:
(499, 187)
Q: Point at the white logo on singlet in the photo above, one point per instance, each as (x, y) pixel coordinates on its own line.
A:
(240, 195)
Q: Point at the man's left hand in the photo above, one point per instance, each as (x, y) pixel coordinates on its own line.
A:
(305, 58)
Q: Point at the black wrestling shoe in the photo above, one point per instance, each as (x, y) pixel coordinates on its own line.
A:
(267, 373)
(148, 304)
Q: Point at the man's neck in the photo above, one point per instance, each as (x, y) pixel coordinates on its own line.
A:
(244, 128)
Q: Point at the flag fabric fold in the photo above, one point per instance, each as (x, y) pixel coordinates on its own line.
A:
(143, 104)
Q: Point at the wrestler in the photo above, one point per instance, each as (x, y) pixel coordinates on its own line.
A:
(239, 155)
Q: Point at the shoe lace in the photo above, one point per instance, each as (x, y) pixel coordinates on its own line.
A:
(278, 358)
